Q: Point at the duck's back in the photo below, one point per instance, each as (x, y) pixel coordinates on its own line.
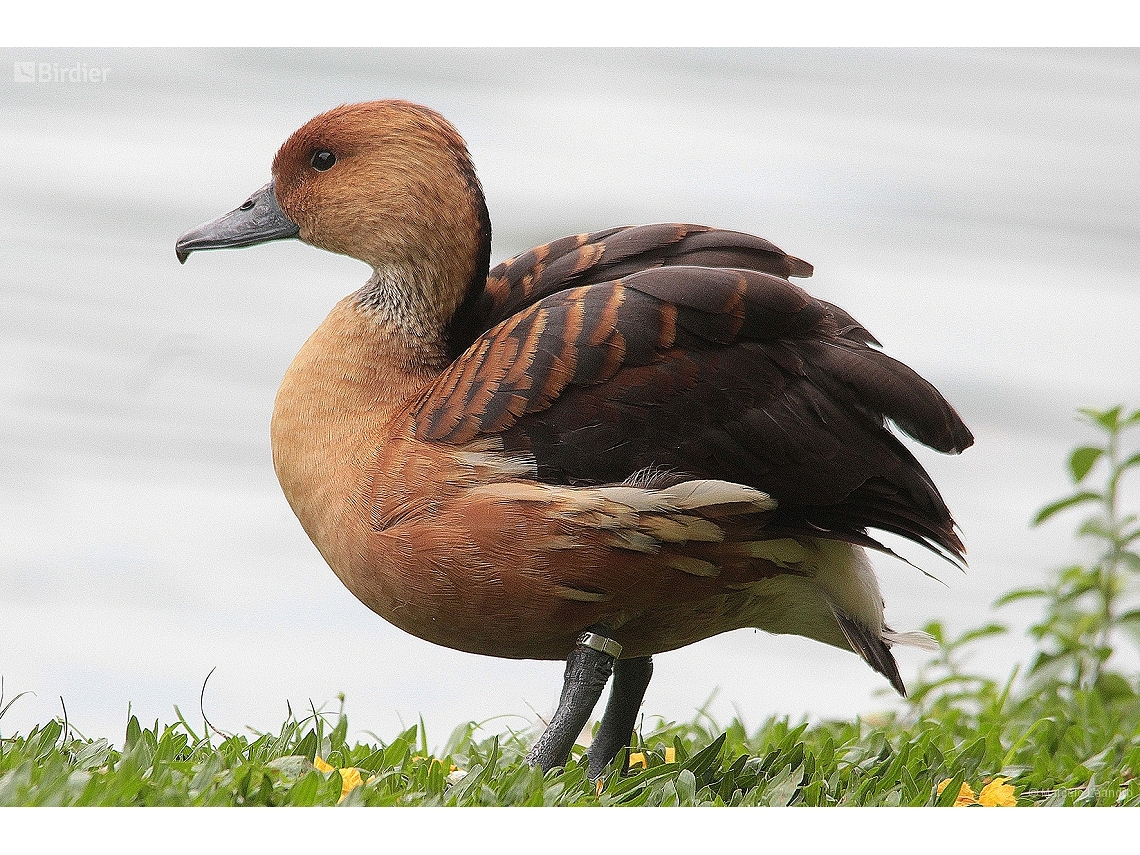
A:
(603, 256)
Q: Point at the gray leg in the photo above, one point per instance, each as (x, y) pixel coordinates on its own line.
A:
(631, 678)
(587, 668)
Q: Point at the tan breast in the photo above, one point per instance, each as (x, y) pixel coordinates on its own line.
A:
(328, 420)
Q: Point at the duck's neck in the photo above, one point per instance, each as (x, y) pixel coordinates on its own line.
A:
(406, 307)
(352, 375)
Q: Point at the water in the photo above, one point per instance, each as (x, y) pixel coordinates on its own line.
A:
(976, 210)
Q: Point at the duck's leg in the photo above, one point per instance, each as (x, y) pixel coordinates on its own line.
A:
(631, 678)
(587, 668)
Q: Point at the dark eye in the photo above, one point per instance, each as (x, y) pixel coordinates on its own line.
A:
(323, 159)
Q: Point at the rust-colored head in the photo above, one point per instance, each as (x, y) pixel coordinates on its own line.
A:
(387, 182)
(390, 183)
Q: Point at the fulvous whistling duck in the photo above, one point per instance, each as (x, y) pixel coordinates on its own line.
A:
(610, 446)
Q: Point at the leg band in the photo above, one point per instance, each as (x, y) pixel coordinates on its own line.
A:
(600, 643)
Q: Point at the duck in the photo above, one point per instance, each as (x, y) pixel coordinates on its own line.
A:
(608, 447)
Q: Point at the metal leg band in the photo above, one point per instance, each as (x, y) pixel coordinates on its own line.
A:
(600, 643)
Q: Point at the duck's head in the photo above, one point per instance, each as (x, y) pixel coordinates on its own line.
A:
(387, 182)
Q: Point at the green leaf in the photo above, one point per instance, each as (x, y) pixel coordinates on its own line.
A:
(981, 632)
(1108, 419)
(1134, 460)
(397, 753)
(971, 757)
(1095, 528)
(1019, 594)
(686, 787)
(1044, 660)
(1113, 686)
(781, 790)
(292, 767)
(1082, 460)
(950, 794)
(936, 630)
(702, 762)
(47, 738)
(1132, 628)
(1068, 502)
(304, 794)
(1129, 617)
(339, 733)
(133, 733)
(265, 791)
(308, 746)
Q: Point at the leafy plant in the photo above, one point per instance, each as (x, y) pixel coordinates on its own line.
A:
(1086, 603)
(944, 687)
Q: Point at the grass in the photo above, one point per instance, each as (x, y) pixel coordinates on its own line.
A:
(1081, 748)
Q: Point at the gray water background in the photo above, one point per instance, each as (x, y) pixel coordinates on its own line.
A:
(977, 210)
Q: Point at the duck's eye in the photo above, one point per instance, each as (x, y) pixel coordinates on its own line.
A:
(323, 159)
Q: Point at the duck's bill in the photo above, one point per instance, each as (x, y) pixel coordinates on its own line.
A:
(257, 220)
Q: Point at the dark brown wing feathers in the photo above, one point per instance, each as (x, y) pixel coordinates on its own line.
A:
(603, 256)
(611, 354)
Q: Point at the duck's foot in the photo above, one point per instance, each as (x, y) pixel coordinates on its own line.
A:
(631, 678)
(587, 668)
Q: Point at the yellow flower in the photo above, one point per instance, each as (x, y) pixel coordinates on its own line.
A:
(637, 758)
(349, 781)
(965, 796)
(349, 776)
(997, 793)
